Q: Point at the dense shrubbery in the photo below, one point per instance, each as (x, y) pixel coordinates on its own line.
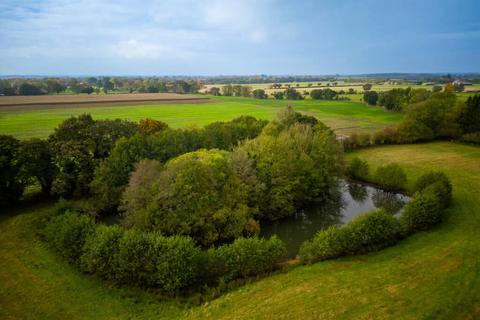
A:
(149, 259)
(324, 94)
(11, 185)
(356, 140)
(358, 169)
(67, 234)
(368, 232)
(391, 177)
(244, 257)
(434, 177)
(423, 211)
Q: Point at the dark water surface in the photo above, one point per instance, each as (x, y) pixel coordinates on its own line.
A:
(356, 199)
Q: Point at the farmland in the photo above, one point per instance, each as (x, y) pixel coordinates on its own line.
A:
(430, 275)
(344, 116)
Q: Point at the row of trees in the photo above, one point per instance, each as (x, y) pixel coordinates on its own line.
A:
(10, 87)
(66, 162)
(440, 116)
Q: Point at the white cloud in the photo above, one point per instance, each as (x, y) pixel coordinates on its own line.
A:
(133, 49)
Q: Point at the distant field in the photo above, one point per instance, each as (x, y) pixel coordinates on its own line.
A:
(80, 99)
(39, 121)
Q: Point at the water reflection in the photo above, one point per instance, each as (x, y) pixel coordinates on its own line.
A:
(353, 200)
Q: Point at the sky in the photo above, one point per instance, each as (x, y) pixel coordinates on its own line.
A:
(239, 37)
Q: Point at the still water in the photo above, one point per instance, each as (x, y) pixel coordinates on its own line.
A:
(354, 200)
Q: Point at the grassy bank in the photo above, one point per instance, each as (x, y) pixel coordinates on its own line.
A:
(345, 116)
(432, 275)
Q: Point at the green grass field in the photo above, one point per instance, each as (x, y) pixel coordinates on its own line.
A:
(431, 275)
(29, 122)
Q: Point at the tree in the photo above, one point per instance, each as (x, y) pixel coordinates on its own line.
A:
(367, 86)
(323, 94)
(27, 89)
(295, 164)
(437, 88)
(151, 126)
(395, 99)
(292, 94)
(278, 95)
(196, 194)
(227, 90)
(11, 186)
(370, 97)
(36, 161)
(469, 117)
(449, 87)
(259, 94)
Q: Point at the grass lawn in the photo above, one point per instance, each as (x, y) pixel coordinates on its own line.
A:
(29, 122)
(431, 275)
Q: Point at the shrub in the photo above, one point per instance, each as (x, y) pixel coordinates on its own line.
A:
(388, 135)
(391, 177)
(358, 169)
(246, 257)
(133, 258)
(424, 211)
(444, 189)
(473, 137)
(373, 231)
(327, 244)
(356, 140)
(173, 262)
(101, 251)
(368, 232)
(67, 233)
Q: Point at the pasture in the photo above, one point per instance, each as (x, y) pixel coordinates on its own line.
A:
(29, 121)
(432, 275)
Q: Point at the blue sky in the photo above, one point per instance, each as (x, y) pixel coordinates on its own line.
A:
(212, 37)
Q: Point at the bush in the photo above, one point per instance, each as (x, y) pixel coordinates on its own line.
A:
(356, 140)
(67, 234)
(327, 244)
(101, 251)
(391, 177)
(358, 169)
(368, 232)
(373, 231)
(424, 211)
(473, 137)
(444, 189)
(246, 257)
(388, 135)
(171, 262)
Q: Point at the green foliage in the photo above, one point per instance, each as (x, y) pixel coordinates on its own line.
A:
(473, 137)
(292, 94)
(35, 159)
(11, 186)
(424, 210)
(327, 244)
(245, 257)
(278, 95)
(434, 177)
(391, 177)
(394, 100)
(67, 233)
(296, 164)
(368, 232)
(469, 118)
(370, 97)
(358, 169)
(323, 94)
(259, 94)
(197, 194)
(151, 126)
(356, 140)
(100, 252)
(78, 144)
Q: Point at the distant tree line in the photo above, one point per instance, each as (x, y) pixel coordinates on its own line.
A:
(28, 87)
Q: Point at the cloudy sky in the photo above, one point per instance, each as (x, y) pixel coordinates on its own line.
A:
(212, 37)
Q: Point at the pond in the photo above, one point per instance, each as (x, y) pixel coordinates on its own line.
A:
(355, 200)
